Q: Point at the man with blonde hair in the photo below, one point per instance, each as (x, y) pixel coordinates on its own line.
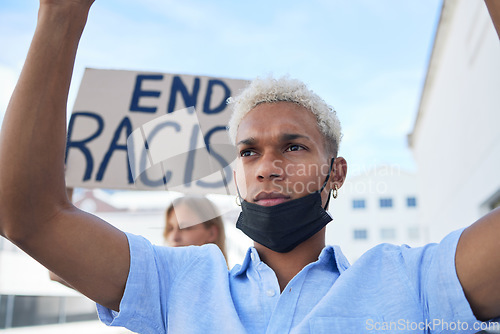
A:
(287, 139)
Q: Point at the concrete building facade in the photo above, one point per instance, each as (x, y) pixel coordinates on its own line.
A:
(379, 206)
(456, 137)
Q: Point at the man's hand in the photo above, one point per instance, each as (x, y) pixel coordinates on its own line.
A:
(87, 3)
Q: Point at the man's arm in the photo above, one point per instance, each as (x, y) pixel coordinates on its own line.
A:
(478, 251)
(494, 9)
(478, 265)
(35, 212)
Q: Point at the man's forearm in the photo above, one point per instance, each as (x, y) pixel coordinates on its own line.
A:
(494, 9)
(32, 140)
(478, 265)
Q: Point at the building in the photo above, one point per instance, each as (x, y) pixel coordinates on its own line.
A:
(455, 138)
(380, 205)
(29, 298)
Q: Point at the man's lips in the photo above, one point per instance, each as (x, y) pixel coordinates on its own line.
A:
(270, 198)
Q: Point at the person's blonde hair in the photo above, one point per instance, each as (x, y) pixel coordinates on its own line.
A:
(203, 208)
(285, 89)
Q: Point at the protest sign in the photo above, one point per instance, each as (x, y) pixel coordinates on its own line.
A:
(175, 125)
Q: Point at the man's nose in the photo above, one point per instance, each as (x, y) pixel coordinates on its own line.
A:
(269, 167)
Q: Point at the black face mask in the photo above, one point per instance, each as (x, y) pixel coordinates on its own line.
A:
(283, 227)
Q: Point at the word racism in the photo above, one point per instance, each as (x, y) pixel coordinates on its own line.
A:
(111, 104)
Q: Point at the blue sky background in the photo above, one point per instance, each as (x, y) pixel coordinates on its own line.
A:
(367, 58)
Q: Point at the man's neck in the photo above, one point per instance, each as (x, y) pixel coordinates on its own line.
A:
(287, 265)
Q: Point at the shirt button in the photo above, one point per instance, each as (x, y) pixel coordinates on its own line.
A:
(270, 293)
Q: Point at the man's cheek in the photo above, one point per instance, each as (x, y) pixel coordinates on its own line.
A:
(241, 181)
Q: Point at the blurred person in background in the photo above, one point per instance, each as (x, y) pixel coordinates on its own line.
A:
(194, 220)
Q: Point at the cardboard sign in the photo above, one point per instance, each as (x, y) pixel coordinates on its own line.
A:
(175, 126)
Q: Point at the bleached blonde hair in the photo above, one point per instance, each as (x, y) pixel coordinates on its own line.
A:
(285, 89)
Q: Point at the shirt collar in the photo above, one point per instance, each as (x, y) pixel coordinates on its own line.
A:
(251, 256)
(340, 259)
(329, 254)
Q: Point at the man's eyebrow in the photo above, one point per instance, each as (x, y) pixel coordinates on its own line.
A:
(293, 136)
(249, 141)
(283, 138)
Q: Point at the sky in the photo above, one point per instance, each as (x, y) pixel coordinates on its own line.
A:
(366, 58)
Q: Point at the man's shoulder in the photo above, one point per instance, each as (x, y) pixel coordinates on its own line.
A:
(141, 247)
(406, 257)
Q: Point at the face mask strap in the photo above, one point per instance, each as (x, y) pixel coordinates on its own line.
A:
(239, 196)
(328, 176)
(327, 201)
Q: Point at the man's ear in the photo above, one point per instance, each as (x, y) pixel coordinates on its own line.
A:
(338, 173)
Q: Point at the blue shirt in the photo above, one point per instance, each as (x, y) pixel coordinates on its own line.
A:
(390, 289)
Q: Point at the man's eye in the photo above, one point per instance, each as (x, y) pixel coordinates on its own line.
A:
(246, 153)
(294, 148)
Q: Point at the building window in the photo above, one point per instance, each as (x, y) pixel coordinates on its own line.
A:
(358, 204)
(386, 202)
(387, 233)
(22, 311)
(361, 234)
(411, 202)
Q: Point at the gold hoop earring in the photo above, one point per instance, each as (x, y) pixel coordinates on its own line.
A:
(335, 191)
(238, 200)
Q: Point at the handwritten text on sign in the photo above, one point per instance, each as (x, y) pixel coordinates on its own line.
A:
(112, 104)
